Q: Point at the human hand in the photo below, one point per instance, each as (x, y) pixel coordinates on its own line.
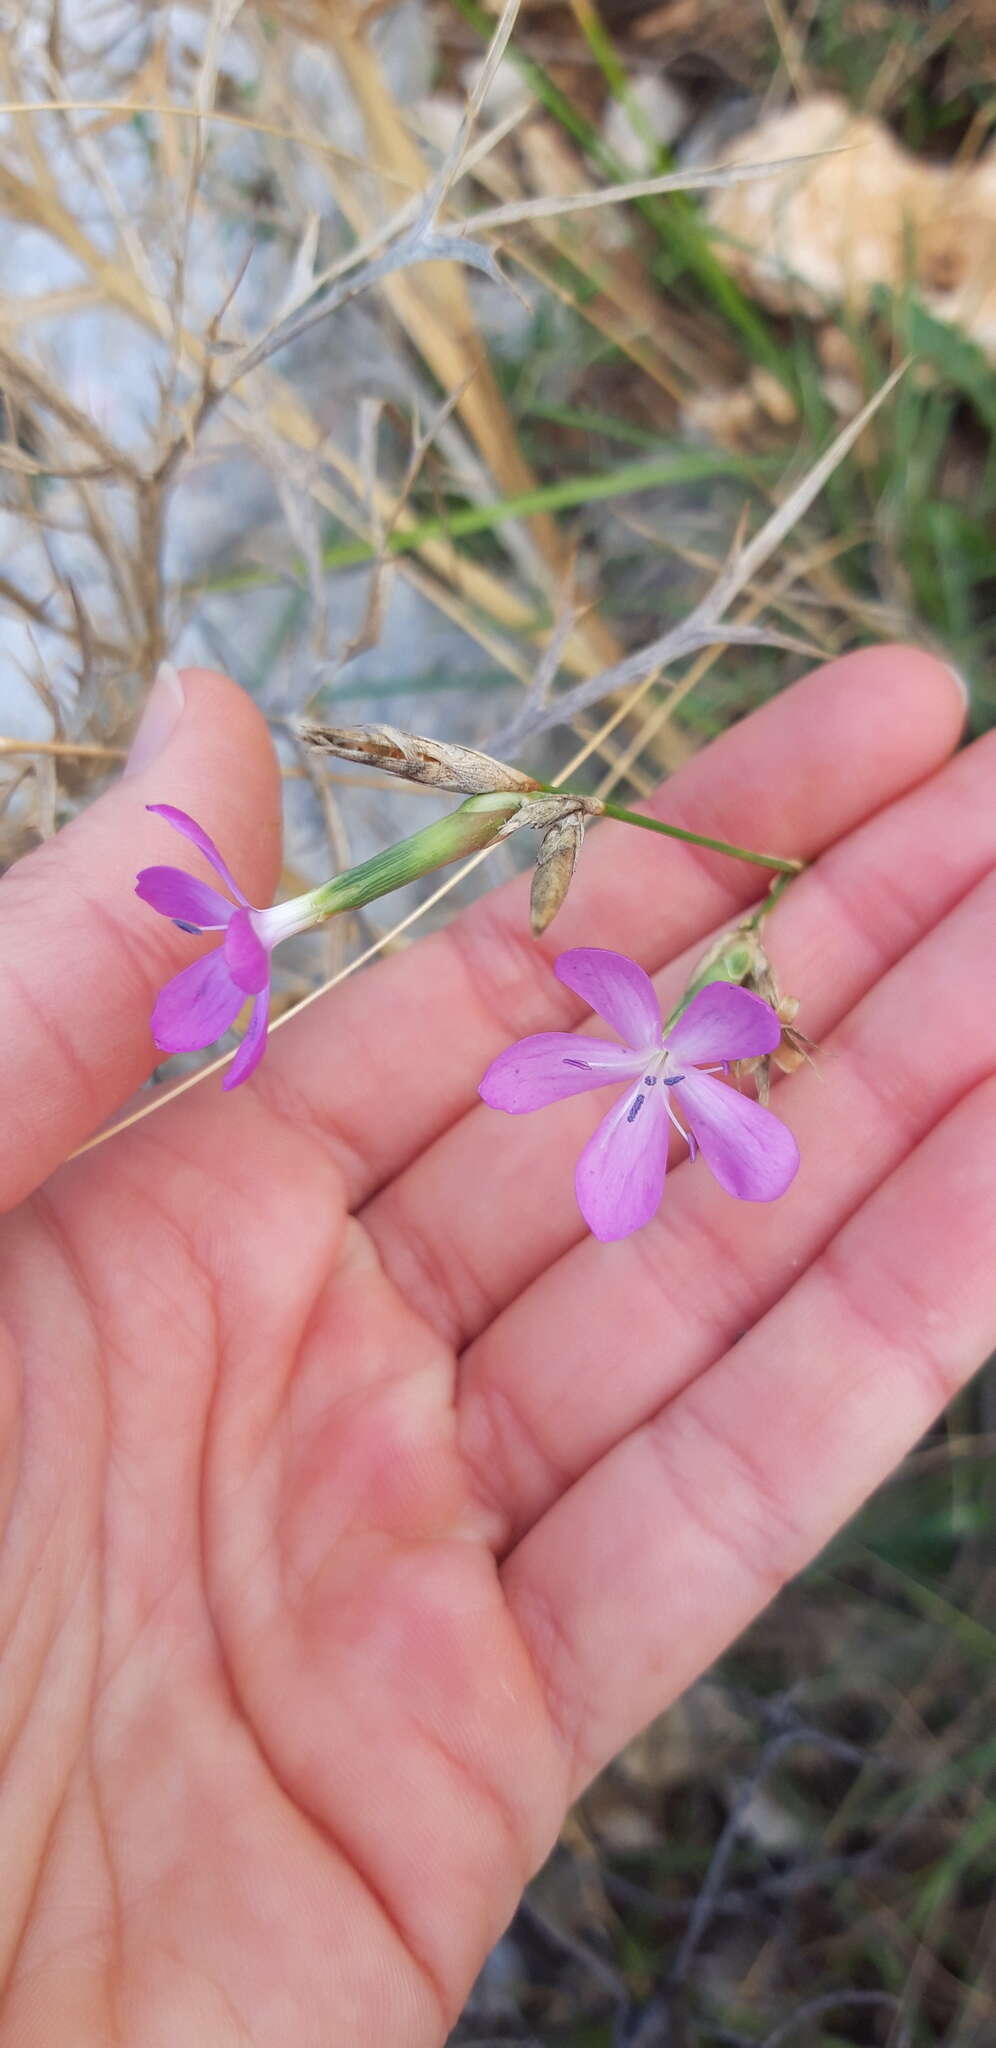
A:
(356, 1505)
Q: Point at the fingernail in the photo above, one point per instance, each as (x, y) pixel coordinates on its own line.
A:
(163, 709)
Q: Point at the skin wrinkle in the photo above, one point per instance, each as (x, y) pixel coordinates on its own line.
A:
(706, 1229)
(551, 1655)
(893, 1098)
(11, 1426)
(423, 1278)
(775, 1542)
(218, 1992)
(65, 1250)
(292, 1109)
(150, 1611)
(144, 1192)
(313, 1307)
(834, 1265)
(492, 1463)
(47, 1023)
(876, 918)
(233, 1690)
(146, 955)
(144, 960)
(336, 1275)
(511, 1006)
(237, 1192)
(322, 1828)
(855, 933)
(230, 1690)
(114, 1960)
(718, 1329)
(510, 1819)
(19, 1606)
(10, 1970)
(355, 1403)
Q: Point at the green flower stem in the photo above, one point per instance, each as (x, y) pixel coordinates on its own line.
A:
(733, 967)
(736, 958)
(758, 860)
(475, 825)
(774, 895)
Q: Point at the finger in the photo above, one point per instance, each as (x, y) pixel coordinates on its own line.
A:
(646, 1568)
(491, 1205)
(83, 958)
(707, 1269)
(790, 778)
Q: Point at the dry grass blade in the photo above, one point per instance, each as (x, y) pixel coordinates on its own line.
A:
(174, 110)
(455, 159)
(705, 623)
(712, 177)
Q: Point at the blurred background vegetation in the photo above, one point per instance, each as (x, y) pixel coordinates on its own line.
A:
(454, 489)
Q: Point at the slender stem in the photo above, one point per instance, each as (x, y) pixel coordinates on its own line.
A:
(767, 904)
(758, 860)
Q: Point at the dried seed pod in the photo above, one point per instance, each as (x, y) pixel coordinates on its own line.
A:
(559, 848)
(416, 759)
(791, 1052)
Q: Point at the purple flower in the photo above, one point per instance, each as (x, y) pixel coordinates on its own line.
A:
(201, 1002)
(620, 1174)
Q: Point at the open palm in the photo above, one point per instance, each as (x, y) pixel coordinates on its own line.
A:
(356, 1506)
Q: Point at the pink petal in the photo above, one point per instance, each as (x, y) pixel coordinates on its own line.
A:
(751, 1152)
(247, 958)
(191, 830)
(723, 1023)
(253, 1045)
(176, 894)
(196, 1006)
(617, 988)
(551, 1066)
(620, 1174)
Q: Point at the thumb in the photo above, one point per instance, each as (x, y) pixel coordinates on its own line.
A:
(83, 958)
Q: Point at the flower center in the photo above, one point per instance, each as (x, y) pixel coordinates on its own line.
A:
(662, 1067)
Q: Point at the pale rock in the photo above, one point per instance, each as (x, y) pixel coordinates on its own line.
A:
(662, 112)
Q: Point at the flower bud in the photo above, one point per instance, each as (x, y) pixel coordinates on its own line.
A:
(416, 759)
(791, 1051)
